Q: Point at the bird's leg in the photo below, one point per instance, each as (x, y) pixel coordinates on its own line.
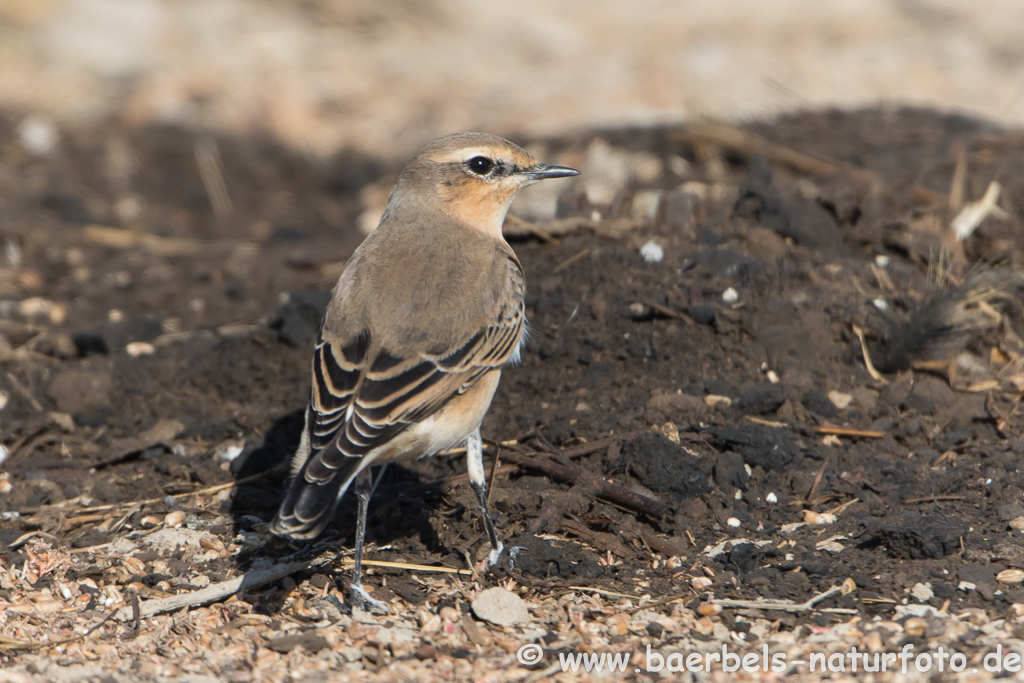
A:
(360, 598)
(475, 465)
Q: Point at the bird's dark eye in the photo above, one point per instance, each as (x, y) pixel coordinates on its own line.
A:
(480, 165)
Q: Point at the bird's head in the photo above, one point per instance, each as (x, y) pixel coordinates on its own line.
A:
(473, 178)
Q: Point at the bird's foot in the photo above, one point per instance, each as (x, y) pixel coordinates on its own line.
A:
(362, 600)
(495, 556)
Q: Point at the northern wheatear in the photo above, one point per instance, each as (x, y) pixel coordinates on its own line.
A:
(428, 310)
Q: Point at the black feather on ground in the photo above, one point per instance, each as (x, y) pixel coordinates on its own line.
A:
(943, 321)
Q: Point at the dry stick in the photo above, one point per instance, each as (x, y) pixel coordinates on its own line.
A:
(744, 141)
(16, 644)
(667, 312)
(849, 431)
(785, 605)
(867, 356)
(150, 501)
(931, 499)
(255, 578)
(168, 246)
(605, 488)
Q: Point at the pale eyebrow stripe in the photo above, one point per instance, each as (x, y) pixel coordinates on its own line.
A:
(466, 153)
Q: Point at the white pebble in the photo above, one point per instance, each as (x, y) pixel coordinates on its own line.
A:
(652, 252)
(738, 495)
(38, 135)
(3, 453)
(881, 304)
(730, 296)
(3, 402)
(732, 521)
(882, 261)
(140, 348)
(772, 498)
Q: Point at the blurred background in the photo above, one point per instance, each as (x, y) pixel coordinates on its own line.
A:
(382, 78)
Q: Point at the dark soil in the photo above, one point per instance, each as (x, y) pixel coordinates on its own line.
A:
(620, 346)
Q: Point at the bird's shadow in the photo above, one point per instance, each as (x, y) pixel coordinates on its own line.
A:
(261, 477)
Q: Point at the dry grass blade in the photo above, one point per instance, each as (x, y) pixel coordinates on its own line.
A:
(786, 605)
(168, 246)
(208, 161)
(16, 644)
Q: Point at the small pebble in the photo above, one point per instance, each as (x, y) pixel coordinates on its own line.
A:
(652, 252)
(709, 610)
(500, 607)
(700, 582)
(771, 498)
(839, 399)
(730, 296)
(140, 348)
(915, 626)
(38, 135)
(922, 592)
(733, 522)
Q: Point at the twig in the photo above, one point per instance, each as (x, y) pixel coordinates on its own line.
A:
(149, 501)
(667, 312)
(24, 392)
(601, 591)
(208, 161)
(15, 644)
(168, 246)
(785, 605)
(348, 562)
(749, 143)
(571, 260)
(877, 376)
(849, 431)
(605, 487)
(931, 499)
(254, 578)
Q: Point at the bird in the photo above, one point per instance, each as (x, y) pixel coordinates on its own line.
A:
(428, 310)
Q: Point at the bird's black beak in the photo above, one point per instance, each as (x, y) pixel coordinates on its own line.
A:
(545, 171)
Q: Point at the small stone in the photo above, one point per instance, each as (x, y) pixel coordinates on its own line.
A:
(310, 641)
(733, 522)
(162, 432)
(771, 498)
(716, 400)
(709, 610)
(136, 349)
(175, 519)
(730, 296)
(700, 582)
(500, 607)
(915, 626)
(652, 252)
(922, 592)
(848, 586)
(839, 399)
(966, 586)
(1017, 524)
